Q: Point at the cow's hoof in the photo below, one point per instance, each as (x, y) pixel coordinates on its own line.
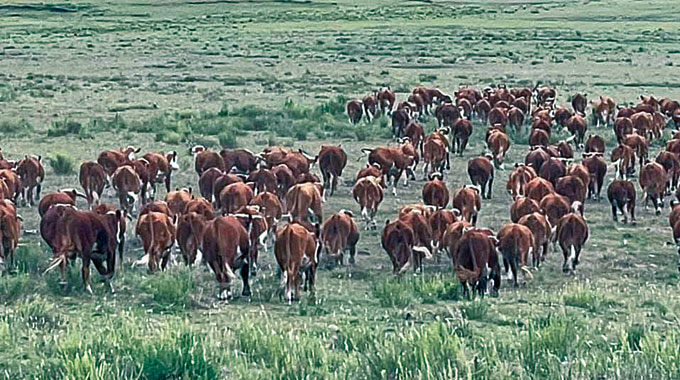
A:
(351, 260)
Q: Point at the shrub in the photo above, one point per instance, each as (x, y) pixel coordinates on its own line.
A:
(227, 139)
(172, 288)
(15, 127)
(62, 165)
(391, 293)
(65, 127)
(475, 310)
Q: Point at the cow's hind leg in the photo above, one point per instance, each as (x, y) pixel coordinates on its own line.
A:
(614, 217)
(245, 272)
(86, 272)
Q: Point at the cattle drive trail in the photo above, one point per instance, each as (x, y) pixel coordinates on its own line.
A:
(339, 190)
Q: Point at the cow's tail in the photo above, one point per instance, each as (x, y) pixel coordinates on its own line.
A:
(147, 255)
(286, 261)
(57, 261)
(572, 254)
(525, 269)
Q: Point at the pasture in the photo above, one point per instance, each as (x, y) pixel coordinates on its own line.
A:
(80, 77)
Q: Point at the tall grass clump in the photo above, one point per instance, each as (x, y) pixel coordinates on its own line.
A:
(432, 351)
(171, 289)
(65, 127)
(62, 164)
(392, 292)
(15, 127)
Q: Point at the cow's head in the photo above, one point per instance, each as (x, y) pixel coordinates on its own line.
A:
(172, 160)
(197, 149)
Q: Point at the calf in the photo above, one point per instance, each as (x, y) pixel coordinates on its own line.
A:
(127, 184)
(522, 206)
(595, 144)
(516, 243)
(303, 198)
(621, 195)
(206, 159)
(297, 253)
(226, 247)
(332, 161)
(475, 261)
(518, 178)
(340, 233)
(355, 111)
(462, 130)
(235, 196)
(178, 199)
(499, 144)
(481, 172)
(31, 172)
(468, 201)
(597, 170)
(653, 178)
(368, 193)
(435, 192)
(10, 229)
(65, 196)
(572, 233)
(542, 231)
(157, 232)
(93, 179)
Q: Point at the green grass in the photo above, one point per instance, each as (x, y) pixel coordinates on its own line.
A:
(255, 75)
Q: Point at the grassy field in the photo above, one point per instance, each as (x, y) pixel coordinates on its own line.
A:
(80, 77)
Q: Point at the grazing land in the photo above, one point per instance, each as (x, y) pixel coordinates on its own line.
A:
(79, 77)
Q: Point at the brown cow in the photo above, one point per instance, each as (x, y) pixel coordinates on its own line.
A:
(297, 253)
(475, 251)
(398, 240)
(10, 229)
(93, 179)
(127, 184)
(31, 173)
(386, 99)
(206, 183)
(370, 103)
(206, 159)
(71, 233)
(226, 247)
(200, 206)
(481, 172)
(498, 115)
(603, 110)
(264, 180)
(400, 118)
(623, 126)
(422, 233)
(392, 163)
(538, 137)
(355, 111)
(468, 201)
(653, 178)
(156, 206)
(64, 196)
(542, 231)
(552, 170)
(162, 166)
(595, 144)
(157, 232)
(580, 171)
(522, 206)
(518, 178)
(577, 126)
(623, 158)
(303, 198)
(340, 233)
(285, 179)
(516, 243)
(640, 146)
(579, 103)
(538, 188)
(536, 157)
(223, 181)
(240, 160)
(178, 199)
(499, 144)
(435, 192)
(439, 221)
(571, 187)
(643, 123)
(516, 118)
(447, 115)
(111, 160)
(670, 162)
(554, 206)
(368, 193)
(597, 170)
(235, 196)
(256, 224)
(621, 195)
(435, 153)
(332, 161)
(462, 130)
(561, 116)
(190, 229)
(414, 131)
(482, 109)
(572, 233)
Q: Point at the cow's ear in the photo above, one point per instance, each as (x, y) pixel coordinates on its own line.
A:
(190, 190)
(119, 214)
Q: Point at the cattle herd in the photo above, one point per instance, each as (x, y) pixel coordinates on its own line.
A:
(246, 201)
